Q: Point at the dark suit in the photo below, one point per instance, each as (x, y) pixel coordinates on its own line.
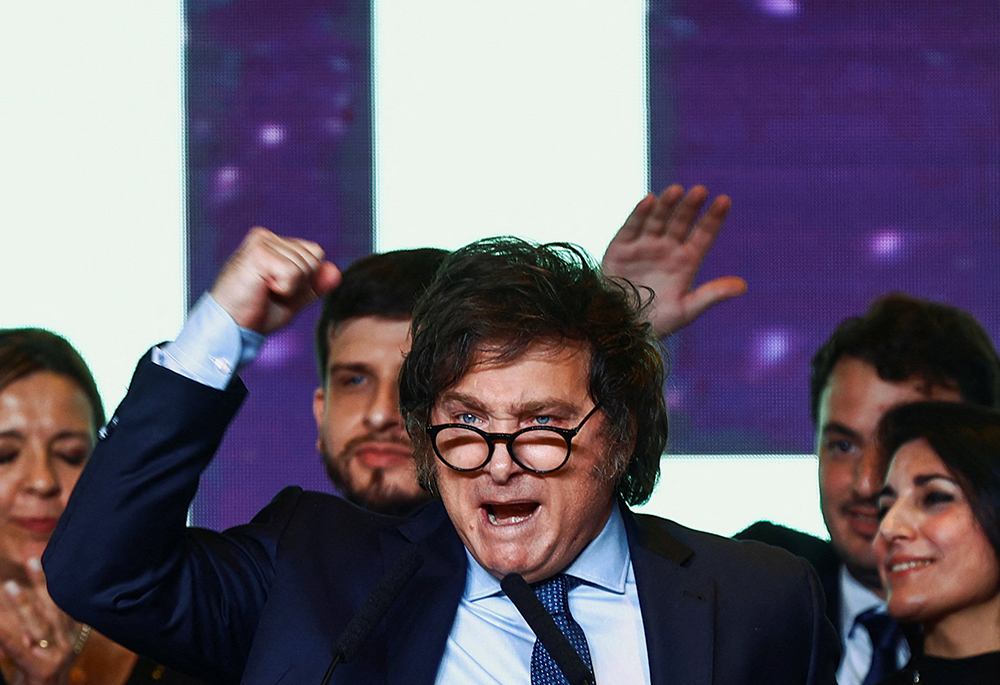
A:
(819, 553)
(826, 562)
(266, 601)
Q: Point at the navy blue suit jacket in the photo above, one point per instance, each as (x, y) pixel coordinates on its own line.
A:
(263, 603)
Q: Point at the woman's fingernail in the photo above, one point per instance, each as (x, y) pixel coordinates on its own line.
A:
(12, 588)
(35, 564)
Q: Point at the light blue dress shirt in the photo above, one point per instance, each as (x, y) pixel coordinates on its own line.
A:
(489, 641)
(211, 347)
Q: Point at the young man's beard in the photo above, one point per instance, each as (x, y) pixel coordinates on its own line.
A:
(378, 497)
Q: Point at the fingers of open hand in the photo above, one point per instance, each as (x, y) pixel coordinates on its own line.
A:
(664, 210)
(683, 212)
(709, 294)
(708, 227)
(633, 225)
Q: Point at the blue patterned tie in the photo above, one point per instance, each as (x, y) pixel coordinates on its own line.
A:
(553, 594)
(885, 635)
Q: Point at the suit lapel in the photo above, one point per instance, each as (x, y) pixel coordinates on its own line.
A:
(419, 625)
(677, 604)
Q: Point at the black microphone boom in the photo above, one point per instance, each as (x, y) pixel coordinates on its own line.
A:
(546, 630)
(371, 612)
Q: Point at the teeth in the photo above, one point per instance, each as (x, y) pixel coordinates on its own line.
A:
(906, 565)
(508, 521)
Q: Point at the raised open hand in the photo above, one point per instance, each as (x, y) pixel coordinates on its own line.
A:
(661, 246)
(270, 278)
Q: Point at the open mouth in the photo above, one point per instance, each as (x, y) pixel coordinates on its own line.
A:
(509, 513)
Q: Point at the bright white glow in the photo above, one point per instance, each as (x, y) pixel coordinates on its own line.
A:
(724, 494)
(271, 135)
(91, 171)
(524, 117)
(887, 245)
(780, 8)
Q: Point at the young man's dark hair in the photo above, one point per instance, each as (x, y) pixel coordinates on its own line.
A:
(905, 337)
(387, 284)
(502, 295)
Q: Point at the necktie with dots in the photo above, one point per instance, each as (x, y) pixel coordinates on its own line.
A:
(554, 596)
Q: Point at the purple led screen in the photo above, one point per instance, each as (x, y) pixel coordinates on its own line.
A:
(279, 135)
(858, 140)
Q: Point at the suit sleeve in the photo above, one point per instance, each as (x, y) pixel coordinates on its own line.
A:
(122, 558)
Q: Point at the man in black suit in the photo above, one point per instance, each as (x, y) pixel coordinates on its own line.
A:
(902, 350)
(533, 395)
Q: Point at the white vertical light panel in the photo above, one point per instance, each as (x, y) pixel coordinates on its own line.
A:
(91, 176)
(529, 117)
(523, 117)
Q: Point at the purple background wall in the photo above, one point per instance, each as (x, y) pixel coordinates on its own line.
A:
(279, 135)
(859, 141)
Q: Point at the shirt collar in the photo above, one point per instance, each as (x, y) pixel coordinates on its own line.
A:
(604, 563)
(855, 599)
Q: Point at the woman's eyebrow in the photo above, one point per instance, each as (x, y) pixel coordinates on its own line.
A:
(930, 477)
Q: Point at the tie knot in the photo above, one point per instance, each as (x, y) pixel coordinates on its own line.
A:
(554, 593)
(882, 628)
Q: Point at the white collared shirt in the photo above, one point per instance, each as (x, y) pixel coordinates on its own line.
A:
(855, 599)
(491, 643)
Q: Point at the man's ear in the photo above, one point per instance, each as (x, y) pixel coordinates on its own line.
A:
(319, 406)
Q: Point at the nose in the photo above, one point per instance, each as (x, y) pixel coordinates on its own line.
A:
(39, 477)
(895, 525)
(868, 475)
(383, 410)
(501, 466)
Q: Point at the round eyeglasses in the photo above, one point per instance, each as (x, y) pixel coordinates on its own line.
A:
(538, 449)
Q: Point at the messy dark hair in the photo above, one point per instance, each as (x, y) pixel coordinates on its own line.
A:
(499, 297)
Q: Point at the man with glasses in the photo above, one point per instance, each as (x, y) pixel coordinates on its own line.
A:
(533, 396)
(363, 334)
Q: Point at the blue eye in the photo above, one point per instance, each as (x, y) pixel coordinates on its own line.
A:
(840, 446)
(543, 420)
(467, 418)
(352, 380)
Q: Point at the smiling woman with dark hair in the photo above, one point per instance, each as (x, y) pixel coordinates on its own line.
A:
(50, 412)
(938, 541)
